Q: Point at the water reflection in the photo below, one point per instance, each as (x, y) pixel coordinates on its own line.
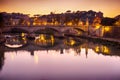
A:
(53, 65)
(49, 42)
(47, 55)
(102, 49)
(36, 58)
(45, 40)
(1, 58)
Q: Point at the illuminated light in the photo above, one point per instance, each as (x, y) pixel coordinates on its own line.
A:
(42, 37)
(12, 57)
(56, 23)
(36, 59)
(72, 42)
(107, 29)
(117, 23)
(24, 38)
(52, 39)
(44, 23)
(106, 50)
(79, 33)
(97, 49)
(69, 24)
(69, 42)
(23, 34)
(80, 23)
(98, 26)
(34, 23)
(87, 22)
(42, 40)
(28, 23)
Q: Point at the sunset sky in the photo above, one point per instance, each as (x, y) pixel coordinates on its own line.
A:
(110, 8)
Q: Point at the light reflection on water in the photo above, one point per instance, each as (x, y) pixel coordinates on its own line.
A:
(51, 64)
(65, 61)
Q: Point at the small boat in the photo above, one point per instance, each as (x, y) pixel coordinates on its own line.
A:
(13, 46)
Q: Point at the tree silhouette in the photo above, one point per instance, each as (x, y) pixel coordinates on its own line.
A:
(1, 22)
(1, 19)
(108, 21)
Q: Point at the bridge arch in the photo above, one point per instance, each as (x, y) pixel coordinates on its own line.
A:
(74, 31)
(79, 29)
(46, 31)
(18, 30)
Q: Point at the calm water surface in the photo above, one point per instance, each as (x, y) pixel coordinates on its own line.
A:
(47, 58)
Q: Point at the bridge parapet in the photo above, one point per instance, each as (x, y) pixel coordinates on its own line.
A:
(34, 29)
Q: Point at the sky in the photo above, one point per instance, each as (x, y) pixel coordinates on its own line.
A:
(110, 8)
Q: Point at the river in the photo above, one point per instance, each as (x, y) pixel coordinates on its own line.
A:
(50, 58)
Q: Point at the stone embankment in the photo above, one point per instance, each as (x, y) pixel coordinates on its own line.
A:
(103, 40)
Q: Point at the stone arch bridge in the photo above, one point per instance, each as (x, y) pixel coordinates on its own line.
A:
(71, 30)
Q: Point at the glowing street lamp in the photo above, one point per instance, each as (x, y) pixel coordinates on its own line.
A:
(107, 28)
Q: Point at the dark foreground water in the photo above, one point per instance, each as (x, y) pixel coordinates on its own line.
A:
(48, 58)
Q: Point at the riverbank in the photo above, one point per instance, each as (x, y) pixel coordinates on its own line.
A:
(103, 40)
(2, 39)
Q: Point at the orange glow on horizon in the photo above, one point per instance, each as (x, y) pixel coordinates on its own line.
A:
(109, 8)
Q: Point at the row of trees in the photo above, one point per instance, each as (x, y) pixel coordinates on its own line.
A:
(74, 18)
(108, 21)
(1, 20)
(1, 23)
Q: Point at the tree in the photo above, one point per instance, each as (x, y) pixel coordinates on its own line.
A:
(1, 22)
(68, 11)
(108, 21)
